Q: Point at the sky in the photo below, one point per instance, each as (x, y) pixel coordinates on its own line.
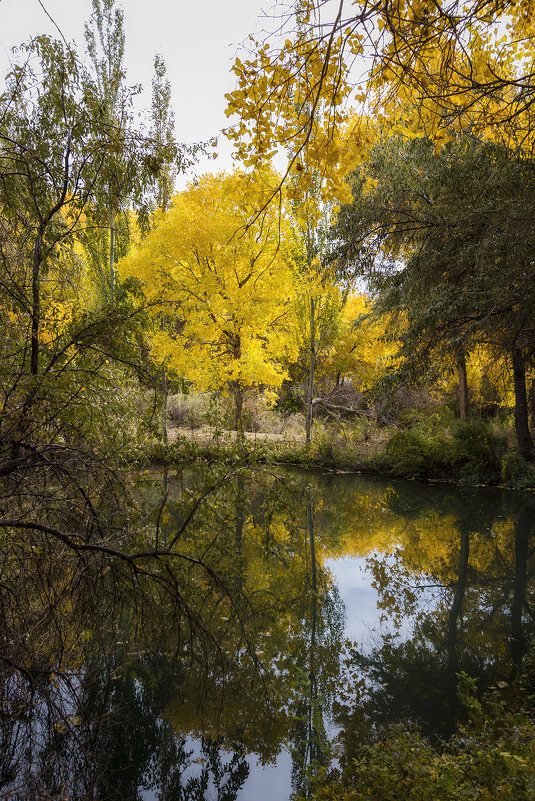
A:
(198, 40)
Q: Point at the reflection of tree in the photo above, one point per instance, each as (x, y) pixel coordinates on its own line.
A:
(523, 530)
(244, 656)
(103, 734)
(144, 750)
(478, 575)
(317, 662)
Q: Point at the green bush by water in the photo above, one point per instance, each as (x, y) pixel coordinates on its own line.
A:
(441, 448)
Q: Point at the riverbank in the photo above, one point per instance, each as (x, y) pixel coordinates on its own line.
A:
(469, 454)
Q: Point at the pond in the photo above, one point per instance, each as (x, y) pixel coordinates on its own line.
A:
(299, 615)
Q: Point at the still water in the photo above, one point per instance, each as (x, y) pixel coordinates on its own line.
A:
(297, 616)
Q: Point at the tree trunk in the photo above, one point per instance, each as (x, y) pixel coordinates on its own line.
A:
(238, 412)
(36, 303)
(463, 384)
(525, 443)
(531, 404)
(112, 252)
(311, 372)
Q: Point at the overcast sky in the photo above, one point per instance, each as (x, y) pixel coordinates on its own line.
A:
(198, 40)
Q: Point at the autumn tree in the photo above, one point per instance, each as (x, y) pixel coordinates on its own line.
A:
(223, 285)
(362, 353)
(456, 247)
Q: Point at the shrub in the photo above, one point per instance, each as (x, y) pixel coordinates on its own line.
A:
(478, 451)
(416, 453)
(516, 471)
(188, 410)
(491, 758)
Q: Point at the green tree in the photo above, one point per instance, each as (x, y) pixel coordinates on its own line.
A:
(456, 253)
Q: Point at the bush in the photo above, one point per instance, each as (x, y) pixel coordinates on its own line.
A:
(491, 758)
(416, 453)
(516, 471)
(188, 410)
(479, 452)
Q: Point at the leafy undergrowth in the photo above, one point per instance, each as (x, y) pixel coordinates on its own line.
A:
(492, 758)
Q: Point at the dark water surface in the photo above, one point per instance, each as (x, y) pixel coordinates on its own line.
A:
(298, 616)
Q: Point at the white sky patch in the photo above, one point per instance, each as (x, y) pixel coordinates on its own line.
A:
(197, 40)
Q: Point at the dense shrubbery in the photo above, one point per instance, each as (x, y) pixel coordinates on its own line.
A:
(431, 446)
(516, 471)
(470, 452)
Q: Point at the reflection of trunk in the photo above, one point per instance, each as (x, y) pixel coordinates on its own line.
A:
(455, 611)
(309, 738)
(238, 530)
(311, 372)
(313, 693)
(165, 493)
(314, 578)
(525, 443)
(463, 384)
(522, 533)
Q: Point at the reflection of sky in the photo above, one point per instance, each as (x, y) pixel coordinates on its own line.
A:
(264, 783)
(363, 617)
(269, 782)
(359, 598)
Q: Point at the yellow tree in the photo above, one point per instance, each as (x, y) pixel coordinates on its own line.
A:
(361, 352)
(315, 328)
(224, 285)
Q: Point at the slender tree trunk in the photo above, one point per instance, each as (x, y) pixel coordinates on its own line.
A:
(531, 404)
(36, 303)
(112, 252)
(311, 372)
(525, 443)
(238, 423)
(463, 384)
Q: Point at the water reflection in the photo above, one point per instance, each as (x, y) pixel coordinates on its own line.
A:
(173, 680)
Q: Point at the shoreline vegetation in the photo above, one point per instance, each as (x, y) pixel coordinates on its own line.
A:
(438, 449)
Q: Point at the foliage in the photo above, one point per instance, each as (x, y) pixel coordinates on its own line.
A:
(422, 71)
(414, 453)
(222, 286)
(452, 270)
(479, 449)
(361, 353)
(516, 471)
(469, 451)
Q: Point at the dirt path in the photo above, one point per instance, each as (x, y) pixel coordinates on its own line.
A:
(207, 433)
